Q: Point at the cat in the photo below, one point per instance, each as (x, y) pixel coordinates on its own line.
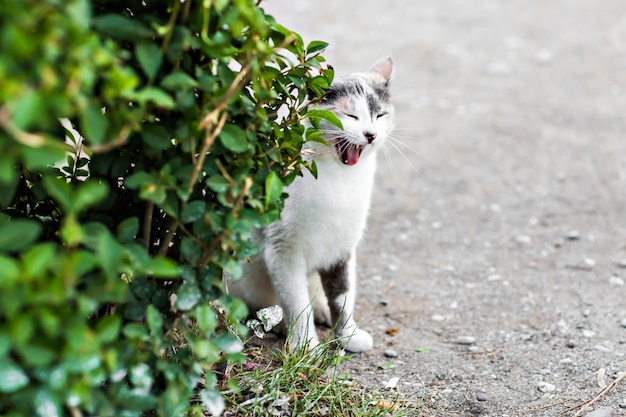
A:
(313, 245)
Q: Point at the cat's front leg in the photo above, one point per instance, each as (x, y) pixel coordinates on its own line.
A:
(339, 282)
(288, 274)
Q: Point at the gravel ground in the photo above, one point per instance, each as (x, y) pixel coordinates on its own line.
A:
(492, 274)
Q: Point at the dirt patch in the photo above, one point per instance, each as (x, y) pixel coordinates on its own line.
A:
(494, 262)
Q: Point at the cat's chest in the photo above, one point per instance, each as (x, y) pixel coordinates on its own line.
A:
(327, 215)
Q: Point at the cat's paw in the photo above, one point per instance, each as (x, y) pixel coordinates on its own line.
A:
(357, 341)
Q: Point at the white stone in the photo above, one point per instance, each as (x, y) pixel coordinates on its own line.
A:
(545, 387)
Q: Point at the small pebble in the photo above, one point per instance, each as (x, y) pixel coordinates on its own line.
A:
(573, 235)
(622, 263)
(566, 361)
(523, 239)
(589, 333)
(623, 403)
(383, 302)
(571, 344)
(482, 396)
(390, 353)
(606, 347)
(465, 340)
(392, 383)
(601, 412)
(546, 387)
(589, 262)
(623, 323)
(543, 56)
(616, 281)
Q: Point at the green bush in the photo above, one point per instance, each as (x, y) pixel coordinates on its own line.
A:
(112, 246)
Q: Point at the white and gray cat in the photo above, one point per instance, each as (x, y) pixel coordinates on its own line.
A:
(324, 219)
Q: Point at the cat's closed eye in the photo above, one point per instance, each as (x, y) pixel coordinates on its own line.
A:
(352, 116)
(379, 115)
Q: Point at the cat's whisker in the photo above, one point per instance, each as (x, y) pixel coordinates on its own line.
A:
(388, 158)
(407, 147)
(391, 142)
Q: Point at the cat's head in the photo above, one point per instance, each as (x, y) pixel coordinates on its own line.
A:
(362, 102)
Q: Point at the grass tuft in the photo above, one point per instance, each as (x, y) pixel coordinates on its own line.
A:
(303, 383)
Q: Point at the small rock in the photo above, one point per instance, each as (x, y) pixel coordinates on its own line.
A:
(623, 323)
(392, 383)
(566, 361)
(616, 281)
(440, 318)
(601, 412)
(543, 56)
(572, 235)
(390, 353)
(482, 396)
(606, 347)
(589, 333)
(589, 262)
(622, 263)
(546, 387)
(571, 344)
(523, 239)
(383, 302)
(465, 340)
(499, 68)
(623, 403)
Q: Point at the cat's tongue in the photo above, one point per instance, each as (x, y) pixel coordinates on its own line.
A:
(352, 154)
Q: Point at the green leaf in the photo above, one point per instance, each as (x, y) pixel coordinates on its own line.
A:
(12, 378)
(135, 331)
(39, 258)
(93, 124)
(188, 296)
(155, 136)
(228, 343)
(17, 234)
(233, 138)
(273, 188)
(10, 271)
(89, 194)
(206, 319)
(316, 114)
(149, 56)
(161, 267)
(178, 80)
(217, 183)
(120, 27)
(213, 401)
(109, 254)
(155, 322)
(127, 230)
(316, 46)
(153, 95)
(60, 191)
(46, 405)
(192, 211)
(7, 189)
(28, 108)
(108, 328)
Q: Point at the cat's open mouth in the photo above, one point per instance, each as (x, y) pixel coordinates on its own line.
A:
(349, 152)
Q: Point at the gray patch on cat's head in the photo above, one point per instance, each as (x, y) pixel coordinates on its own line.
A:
(373, 88)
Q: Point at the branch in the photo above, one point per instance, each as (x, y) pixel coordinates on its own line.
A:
(25, 138)
(147, 224)
(586, 404)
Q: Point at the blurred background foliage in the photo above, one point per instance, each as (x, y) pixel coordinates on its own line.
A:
(140, 142)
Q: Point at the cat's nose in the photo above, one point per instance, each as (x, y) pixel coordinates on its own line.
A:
(369, 136)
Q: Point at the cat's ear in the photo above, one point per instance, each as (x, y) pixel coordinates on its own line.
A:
(383, 67)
